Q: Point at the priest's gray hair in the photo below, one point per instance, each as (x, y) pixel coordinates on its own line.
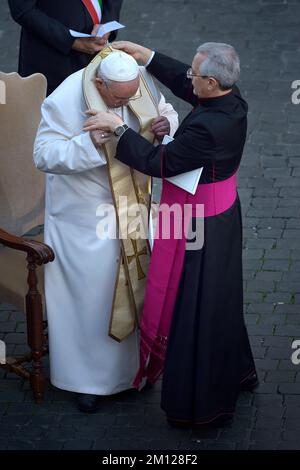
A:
(100, 74)
(222, 63)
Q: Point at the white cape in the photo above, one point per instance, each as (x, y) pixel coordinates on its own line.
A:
(79, 284)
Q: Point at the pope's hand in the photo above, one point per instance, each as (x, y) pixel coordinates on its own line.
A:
(139, 53)
(102, 120)
(100, 137)
(160, 127)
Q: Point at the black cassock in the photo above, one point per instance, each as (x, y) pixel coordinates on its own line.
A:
(46, 44)
(208, 355)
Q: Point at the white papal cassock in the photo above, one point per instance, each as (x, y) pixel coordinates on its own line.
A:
(79, 284)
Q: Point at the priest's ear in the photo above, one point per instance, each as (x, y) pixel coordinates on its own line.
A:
(212, 84)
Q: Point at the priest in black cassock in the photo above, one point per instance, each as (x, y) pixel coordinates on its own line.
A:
(46, 45)
(203, 348)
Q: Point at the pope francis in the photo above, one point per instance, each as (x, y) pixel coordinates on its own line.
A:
(95, 287)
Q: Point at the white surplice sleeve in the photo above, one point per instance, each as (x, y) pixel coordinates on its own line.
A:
(167, 110)
(60, 146)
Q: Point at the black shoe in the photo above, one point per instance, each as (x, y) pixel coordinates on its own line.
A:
(250, 384)
(88, 403)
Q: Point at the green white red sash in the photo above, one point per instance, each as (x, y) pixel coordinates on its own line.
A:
(94, 8)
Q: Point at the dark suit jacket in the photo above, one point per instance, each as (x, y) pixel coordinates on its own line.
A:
(46, 44)
(212, 135)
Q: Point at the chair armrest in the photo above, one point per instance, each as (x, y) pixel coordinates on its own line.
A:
(41, 252)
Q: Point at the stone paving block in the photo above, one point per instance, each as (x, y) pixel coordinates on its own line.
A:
(4, 317)
(267, 388)
(253, 296)
(292, 388)
(271, 223)
(285, 212)
(287, 286)
(288, 330)
(278, 341)
(277, 254)
(276, 265)
(288, 202)
(15, 338)
(265, 243)
(260, 286)
(269, 276)
(291, 233)
(280, 376)
(251, 254)
(252, 264)
(278, 298)
(258, 352)
(293, 319)
(293, 223)
(8, 326)
(292, 193)
(287, 308)
(287, 364)
(267, 364)
(268, 319)
(260, 329)
(295, 254)
(295, 266)
(7, 307)
(261, 308)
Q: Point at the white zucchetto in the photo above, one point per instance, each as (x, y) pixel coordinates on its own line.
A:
(119, 67)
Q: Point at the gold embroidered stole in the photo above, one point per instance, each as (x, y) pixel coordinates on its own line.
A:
(124, 181)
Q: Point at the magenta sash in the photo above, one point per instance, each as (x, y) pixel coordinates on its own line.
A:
(166, 267)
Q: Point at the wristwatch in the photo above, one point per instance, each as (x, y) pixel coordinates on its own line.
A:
(119, 130)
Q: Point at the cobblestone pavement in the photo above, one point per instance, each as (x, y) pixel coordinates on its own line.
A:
(266, 34)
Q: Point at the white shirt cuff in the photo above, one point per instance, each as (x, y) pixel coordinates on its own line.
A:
(150, 59)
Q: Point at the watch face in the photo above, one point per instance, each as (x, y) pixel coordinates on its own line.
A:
(119, 130)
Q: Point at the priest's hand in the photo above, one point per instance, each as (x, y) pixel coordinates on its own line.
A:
(139, 53)
(100, 137)
(160, 127)
(102, 120)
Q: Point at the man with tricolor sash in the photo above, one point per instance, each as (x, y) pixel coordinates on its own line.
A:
(192, 326)
(46, 44)
(95, 287)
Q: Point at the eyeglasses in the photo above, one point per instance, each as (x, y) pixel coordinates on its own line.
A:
(137, 96)
(190, 74)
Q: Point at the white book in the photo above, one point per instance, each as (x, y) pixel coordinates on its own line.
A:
(187, 181)
(103, 29)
